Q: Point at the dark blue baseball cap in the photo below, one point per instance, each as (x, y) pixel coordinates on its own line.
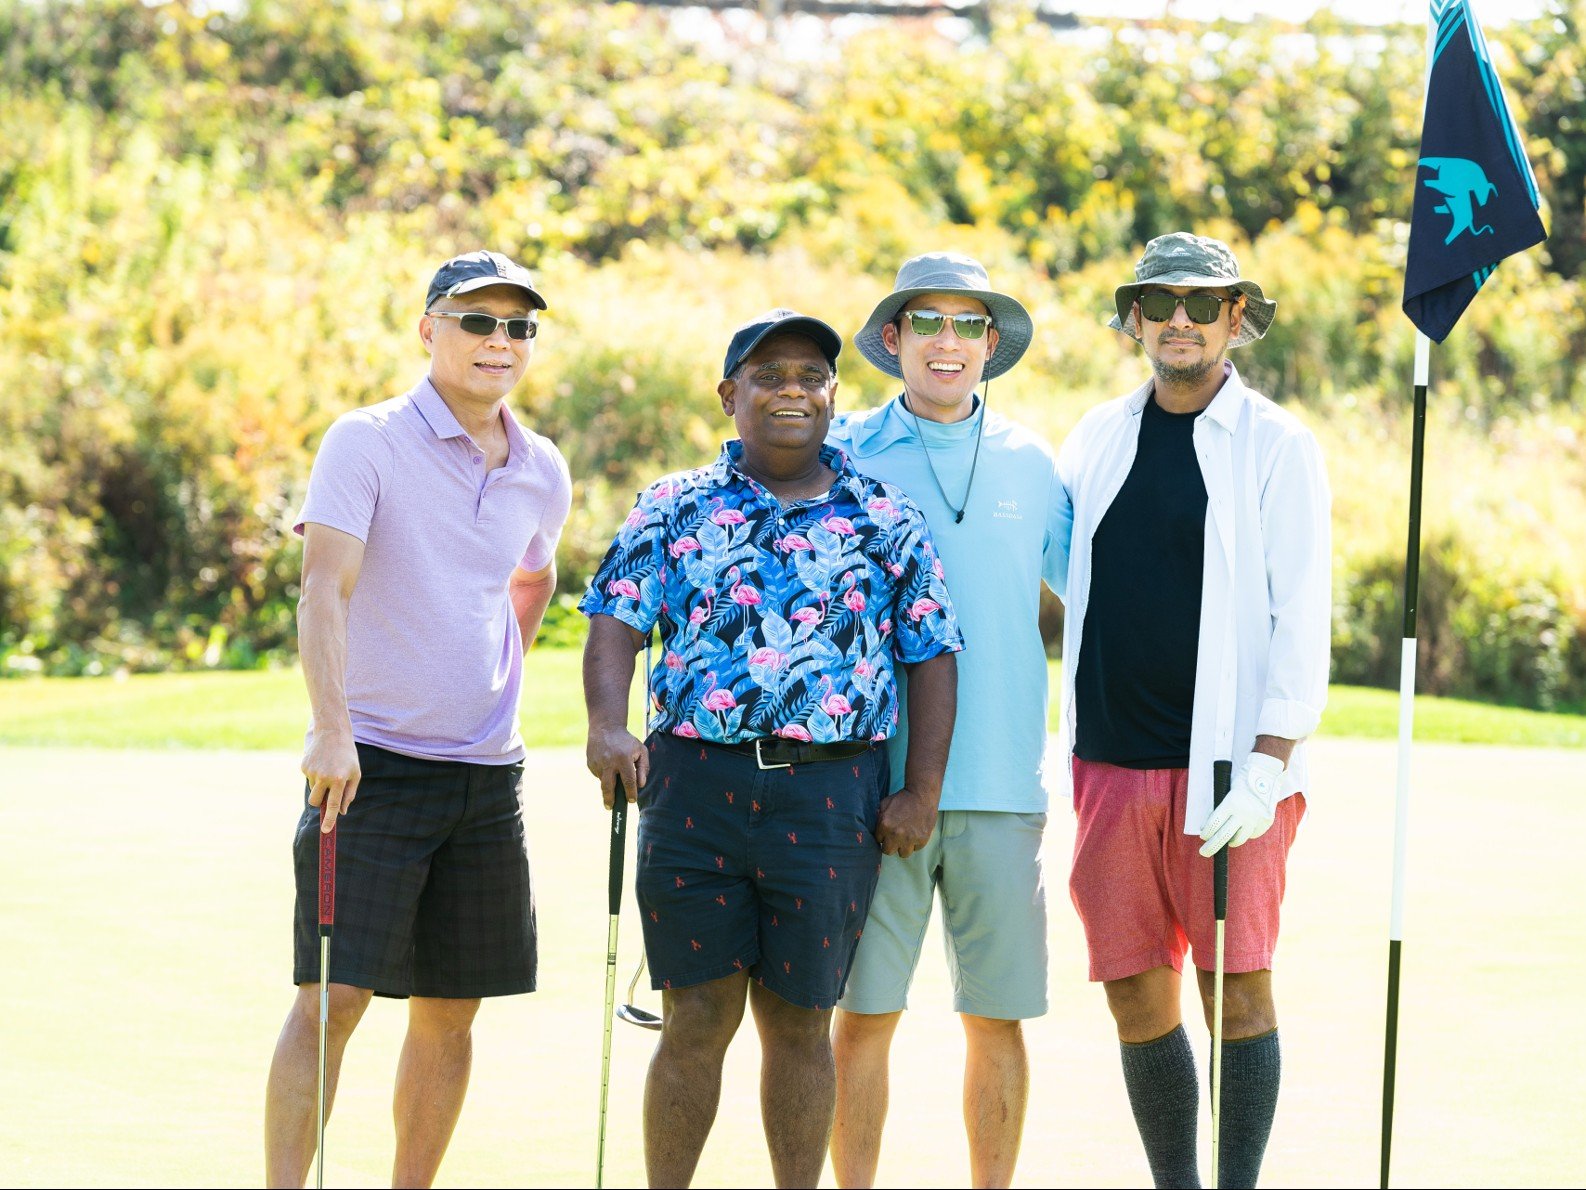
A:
(780, 322)
(477, 270)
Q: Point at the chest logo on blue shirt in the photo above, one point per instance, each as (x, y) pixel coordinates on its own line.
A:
(1008, 510)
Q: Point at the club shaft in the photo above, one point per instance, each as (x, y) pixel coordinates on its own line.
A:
(324, 1029)
(1222, 779)
(605, 1048)
(327, 918)
(619, 831)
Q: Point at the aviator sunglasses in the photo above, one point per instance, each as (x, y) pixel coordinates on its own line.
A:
(929, 323)
(1158, 305)
(485, 324)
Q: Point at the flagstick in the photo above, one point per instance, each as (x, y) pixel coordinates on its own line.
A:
(1401, 822)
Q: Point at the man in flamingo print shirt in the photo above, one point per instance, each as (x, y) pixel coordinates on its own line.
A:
(786, 587)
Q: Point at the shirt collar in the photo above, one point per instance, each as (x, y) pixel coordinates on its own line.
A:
(889, 425)
(1224, 409)
(443, 423)
(725, 468)
(433, 409)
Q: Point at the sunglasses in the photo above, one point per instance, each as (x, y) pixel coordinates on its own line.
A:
(1158, 305)
(965, 326)
(485, 324)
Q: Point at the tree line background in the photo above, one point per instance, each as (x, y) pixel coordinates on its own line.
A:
(216, 225)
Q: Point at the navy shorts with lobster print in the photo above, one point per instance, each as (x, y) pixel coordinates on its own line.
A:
(768, 871)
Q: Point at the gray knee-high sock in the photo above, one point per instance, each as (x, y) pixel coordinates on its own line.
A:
(1164, 1091)
(1252, 1068)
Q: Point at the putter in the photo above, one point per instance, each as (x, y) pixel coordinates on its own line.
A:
(327, 920)
(630, 1012)
(619, 830)
(1222, 778)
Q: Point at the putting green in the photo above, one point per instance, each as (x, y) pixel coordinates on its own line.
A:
(146, 910)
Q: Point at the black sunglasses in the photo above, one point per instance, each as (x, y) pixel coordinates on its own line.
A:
(485, 324)
(1159, 305)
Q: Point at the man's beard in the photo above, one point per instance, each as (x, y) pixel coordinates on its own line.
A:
(1183, 375)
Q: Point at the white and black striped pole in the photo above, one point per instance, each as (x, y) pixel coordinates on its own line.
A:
(1401, 817)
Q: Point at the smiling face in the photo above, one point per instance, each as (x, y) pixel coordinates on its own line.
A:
(782, 396)
(1184, 353)
(940, 371)
(475, 370)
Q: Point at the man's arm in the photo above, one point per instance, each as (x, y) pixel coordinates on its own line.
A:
(530, 592)
(613, 753)
(331, 563)
(909, 816)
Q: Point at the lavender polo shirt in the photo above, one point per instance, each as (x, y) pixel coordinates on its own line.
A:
(434, 656)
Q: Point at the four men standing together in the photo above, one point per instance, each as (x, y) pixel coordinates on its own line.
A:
(848, 714)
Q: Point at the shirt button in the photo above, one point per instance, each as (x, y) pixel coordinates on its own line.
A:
(479, 458)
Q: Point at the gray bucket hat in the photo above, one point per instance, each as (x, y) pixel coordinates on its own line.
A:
(948, 272)
(1184, 259)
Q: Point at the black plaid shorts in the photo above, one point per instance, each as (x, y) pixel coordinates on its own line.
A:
(432, 882)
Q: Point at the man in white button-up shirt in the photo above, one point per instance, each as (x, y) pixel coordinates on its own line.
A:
(1198, 603)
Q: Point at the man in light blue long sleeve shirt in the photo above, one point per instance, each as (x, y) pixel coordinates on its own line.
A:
(1002, 521)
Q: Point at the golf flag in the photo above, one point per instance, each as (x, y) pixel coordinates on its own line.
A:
(1475, 196)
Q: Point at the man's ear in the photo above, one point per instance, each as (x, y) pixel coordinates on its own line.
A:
(889, 337)
(1236, 316)
(727, 390)
(427, 333)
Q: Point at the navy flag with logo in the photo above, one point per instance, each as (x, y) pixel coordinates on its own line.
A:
(1475, 196)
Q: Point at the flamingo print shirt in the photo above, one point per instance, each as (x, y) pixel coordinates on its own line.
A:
(776, 619)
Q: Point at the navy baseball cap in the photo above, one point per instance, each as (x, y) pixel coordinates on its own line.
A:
(780, 322)
(476, 270)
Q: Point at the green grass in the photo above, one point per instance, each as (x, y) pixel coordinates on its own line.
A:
(270, 710)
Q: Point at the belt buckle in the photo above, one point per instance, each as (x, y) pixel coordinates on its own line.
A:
(759, 760)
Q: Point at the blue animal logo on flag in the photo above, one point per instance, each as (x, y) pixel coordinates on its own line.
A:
(1464, 186)
(1475, 196)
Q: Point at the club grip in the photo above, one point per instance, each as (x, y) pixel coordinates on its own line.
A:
(327, 876)
(1222, 779)
(619, 830)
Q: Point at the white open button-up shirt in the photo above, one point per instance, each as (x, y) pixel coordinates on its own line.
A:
(1266, 596)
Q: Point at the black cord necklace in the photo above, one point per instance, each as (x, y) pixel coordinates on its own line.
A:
(958, 513)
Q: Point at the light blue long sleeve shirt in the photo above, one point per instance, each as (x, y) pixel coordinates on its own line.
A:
(1017, 525)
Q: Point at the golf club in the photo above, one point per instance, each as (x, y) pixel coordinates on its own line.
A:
(619, 830)
(631, 1013)
(1222, 777)
(327, 920)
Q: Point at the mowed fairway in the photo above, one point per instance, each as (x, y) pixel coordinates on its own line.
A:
(146, 907)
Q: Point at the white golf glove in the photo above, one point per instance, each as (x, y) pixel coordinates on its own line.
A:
(1250, 806)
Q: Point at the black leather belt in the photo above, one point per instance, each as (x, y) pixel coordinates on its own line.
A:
(774, 752)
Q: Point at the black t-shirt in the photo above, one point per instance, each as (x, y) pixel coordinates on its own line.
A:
(1135, 687)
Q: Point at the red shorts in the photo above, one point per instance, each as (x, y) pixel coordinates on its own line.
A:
(1144, 891)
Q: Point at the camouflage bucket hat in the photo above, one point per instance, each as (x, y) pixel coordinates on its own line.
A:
(1184, 259)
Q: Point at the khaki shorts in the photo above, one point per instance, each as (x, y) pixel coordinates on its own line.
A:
(986, 865)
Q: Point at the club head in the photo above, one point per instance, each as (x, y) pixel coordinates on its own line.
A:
(638, 1016)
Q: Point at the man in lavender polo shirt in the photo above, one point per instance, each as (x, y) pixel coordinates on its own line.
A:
(429, 540)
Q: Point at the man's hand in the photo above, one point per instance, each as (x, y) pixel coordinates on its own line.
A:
(613, 755)
(905, 822)
(1249, 808)
(330, 765)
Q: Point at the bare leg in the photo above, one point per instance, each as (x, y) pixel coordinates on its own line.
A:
(432, 1078)
(798, 1086)
(996, 1089)
(1145, 1006)
(684, 1085)
(1248, 1010)
(861, 1043)
(291, 1096)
